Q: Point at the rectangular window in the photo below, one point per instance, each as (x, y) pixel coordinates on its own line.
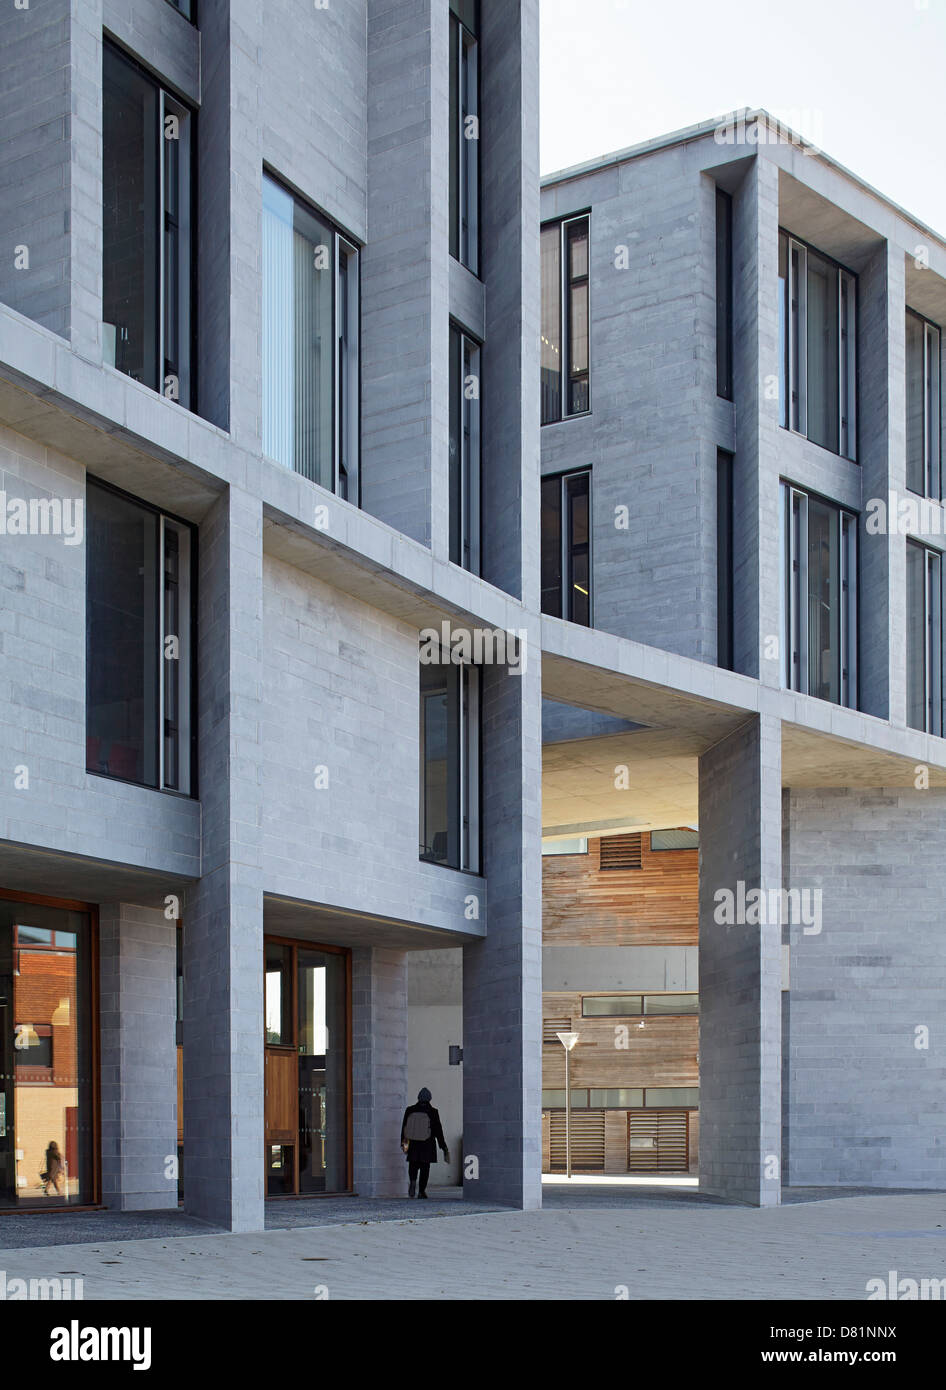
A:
(923, 406)
(818, 347)
(450, 765)
(146, 227)
(656, 1097)
(566, 547)
(616, 1098)
(725, 581)
(464, 132)
(924, 639)
(819, 597)
(674, 839)
(464, 450)
(724, 295)
(577, 845)
(139, 643)
(310, 344)
(555, 1100)
(566, 319)
(633, 1005)
(186, 7)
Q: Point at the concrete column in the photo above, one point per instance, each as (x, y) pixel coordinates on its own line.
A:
(223, 937)
(740, 965)
(756, 544)
(379, 1070)
(138, 1003)
(502, 973)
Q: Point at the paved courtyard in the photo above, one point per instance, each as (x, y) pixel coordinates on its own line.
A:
(587, 1243)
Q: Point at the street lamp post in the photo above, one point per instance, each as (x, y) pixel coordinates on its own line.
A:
(568, 1041)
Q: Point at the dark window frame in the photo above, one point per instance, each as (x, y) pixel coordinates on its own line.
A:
(465, 244)
(724, 294)
(193, 793)
(725, 560)
(463, 852)
(932, 646)
(566, 283)
(565, 606)
(932, 422)
(466, 471)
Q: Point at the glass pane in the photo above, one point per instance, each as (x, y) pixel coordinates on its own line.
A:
(46, 1093)
(824, 665)
(348, 375)
(552, 547)
(822, 352)
(551, 324)
(671, 1004)
(579, 549)
(933, 407)
(616, 1099)
(723, 294)
(177, 656)
(612, 1006)
(674, 839)
(469, 154)
(130, 218)
(122, 638)
(278, 995)
(298, 337)
(455, 136)
(783, 321)
(280, 1170)
(456, 445)
(659, 1096)
(323, 1072)
(916, 412)
(440, 763)
(577, 237)
(553, 1100)
(916, 636)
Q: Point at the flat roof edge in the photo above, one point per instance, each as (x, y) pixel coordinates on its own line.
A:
(702, 129)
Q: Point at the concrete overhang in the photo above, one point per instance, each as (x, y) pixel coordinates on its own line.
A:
(334, 926)
(686, 707)
(30, 869)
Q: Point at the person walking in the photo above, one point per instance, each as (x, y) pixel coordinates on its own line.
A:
(53, 1174)
(421, 1132)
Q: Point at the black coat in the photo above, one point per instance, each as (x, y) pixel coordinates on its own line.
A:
(424, 1150)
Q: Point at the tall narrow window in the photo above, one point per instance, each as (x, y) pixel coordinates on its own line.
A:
(923, 406)
(724, 559)
(566, 547)
(819, 597)
(450, 764)
(139, 642)
(464, 132)
(566, 321)
(464, 450)
(146, 228)
(310, 344)
(724, 295)
(924, 638)
(818, 347)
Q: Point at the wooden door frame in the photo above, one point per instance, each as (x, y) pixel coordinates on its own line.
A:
(296, 943)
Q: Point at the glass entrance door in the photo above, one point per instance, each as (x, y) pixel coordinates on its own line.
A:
(308, 1108)
(46, 1090)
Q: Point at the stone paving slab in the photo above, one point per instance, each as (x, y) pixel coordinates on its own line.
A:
(812, 1250)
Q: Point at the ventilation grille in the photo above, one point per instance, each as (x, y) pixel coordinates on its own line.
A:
(658, 1141)
(551, 1027)
(621, 852)
(586, 1140)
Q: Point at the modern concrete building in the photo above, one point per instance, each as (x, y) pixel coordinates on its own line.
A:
(275, 492)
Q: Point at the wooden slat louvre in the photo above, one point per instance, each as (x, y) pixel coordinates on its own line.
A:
(551, 1027)
(657, 1141)
(621, 852)
(586, 1138)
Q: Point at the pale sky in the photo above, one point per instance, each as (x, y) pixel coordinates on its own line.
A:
(864, 80)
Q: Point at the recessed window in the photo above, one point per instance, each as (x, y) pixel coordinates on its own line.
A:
(638, 1005)
(923, 406)
(565, 341)
(725, 562)
(146, 225)
(139, 642)
(555, 1099)
(819, 597)
(450, 765)
(724, 296)
(674, 839)
(657, 1097)
(566, 547)
(924, 638)
(577, 845)
(464, 450)
(464, 132)
(817, 347)
(310, 344)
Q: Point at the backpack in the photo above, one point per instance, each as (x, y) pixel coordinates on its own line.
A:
(417, 1126)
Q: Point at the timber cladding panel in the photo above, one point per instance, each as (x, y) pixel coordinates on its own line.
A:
(662, 1053)
(655, 905)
